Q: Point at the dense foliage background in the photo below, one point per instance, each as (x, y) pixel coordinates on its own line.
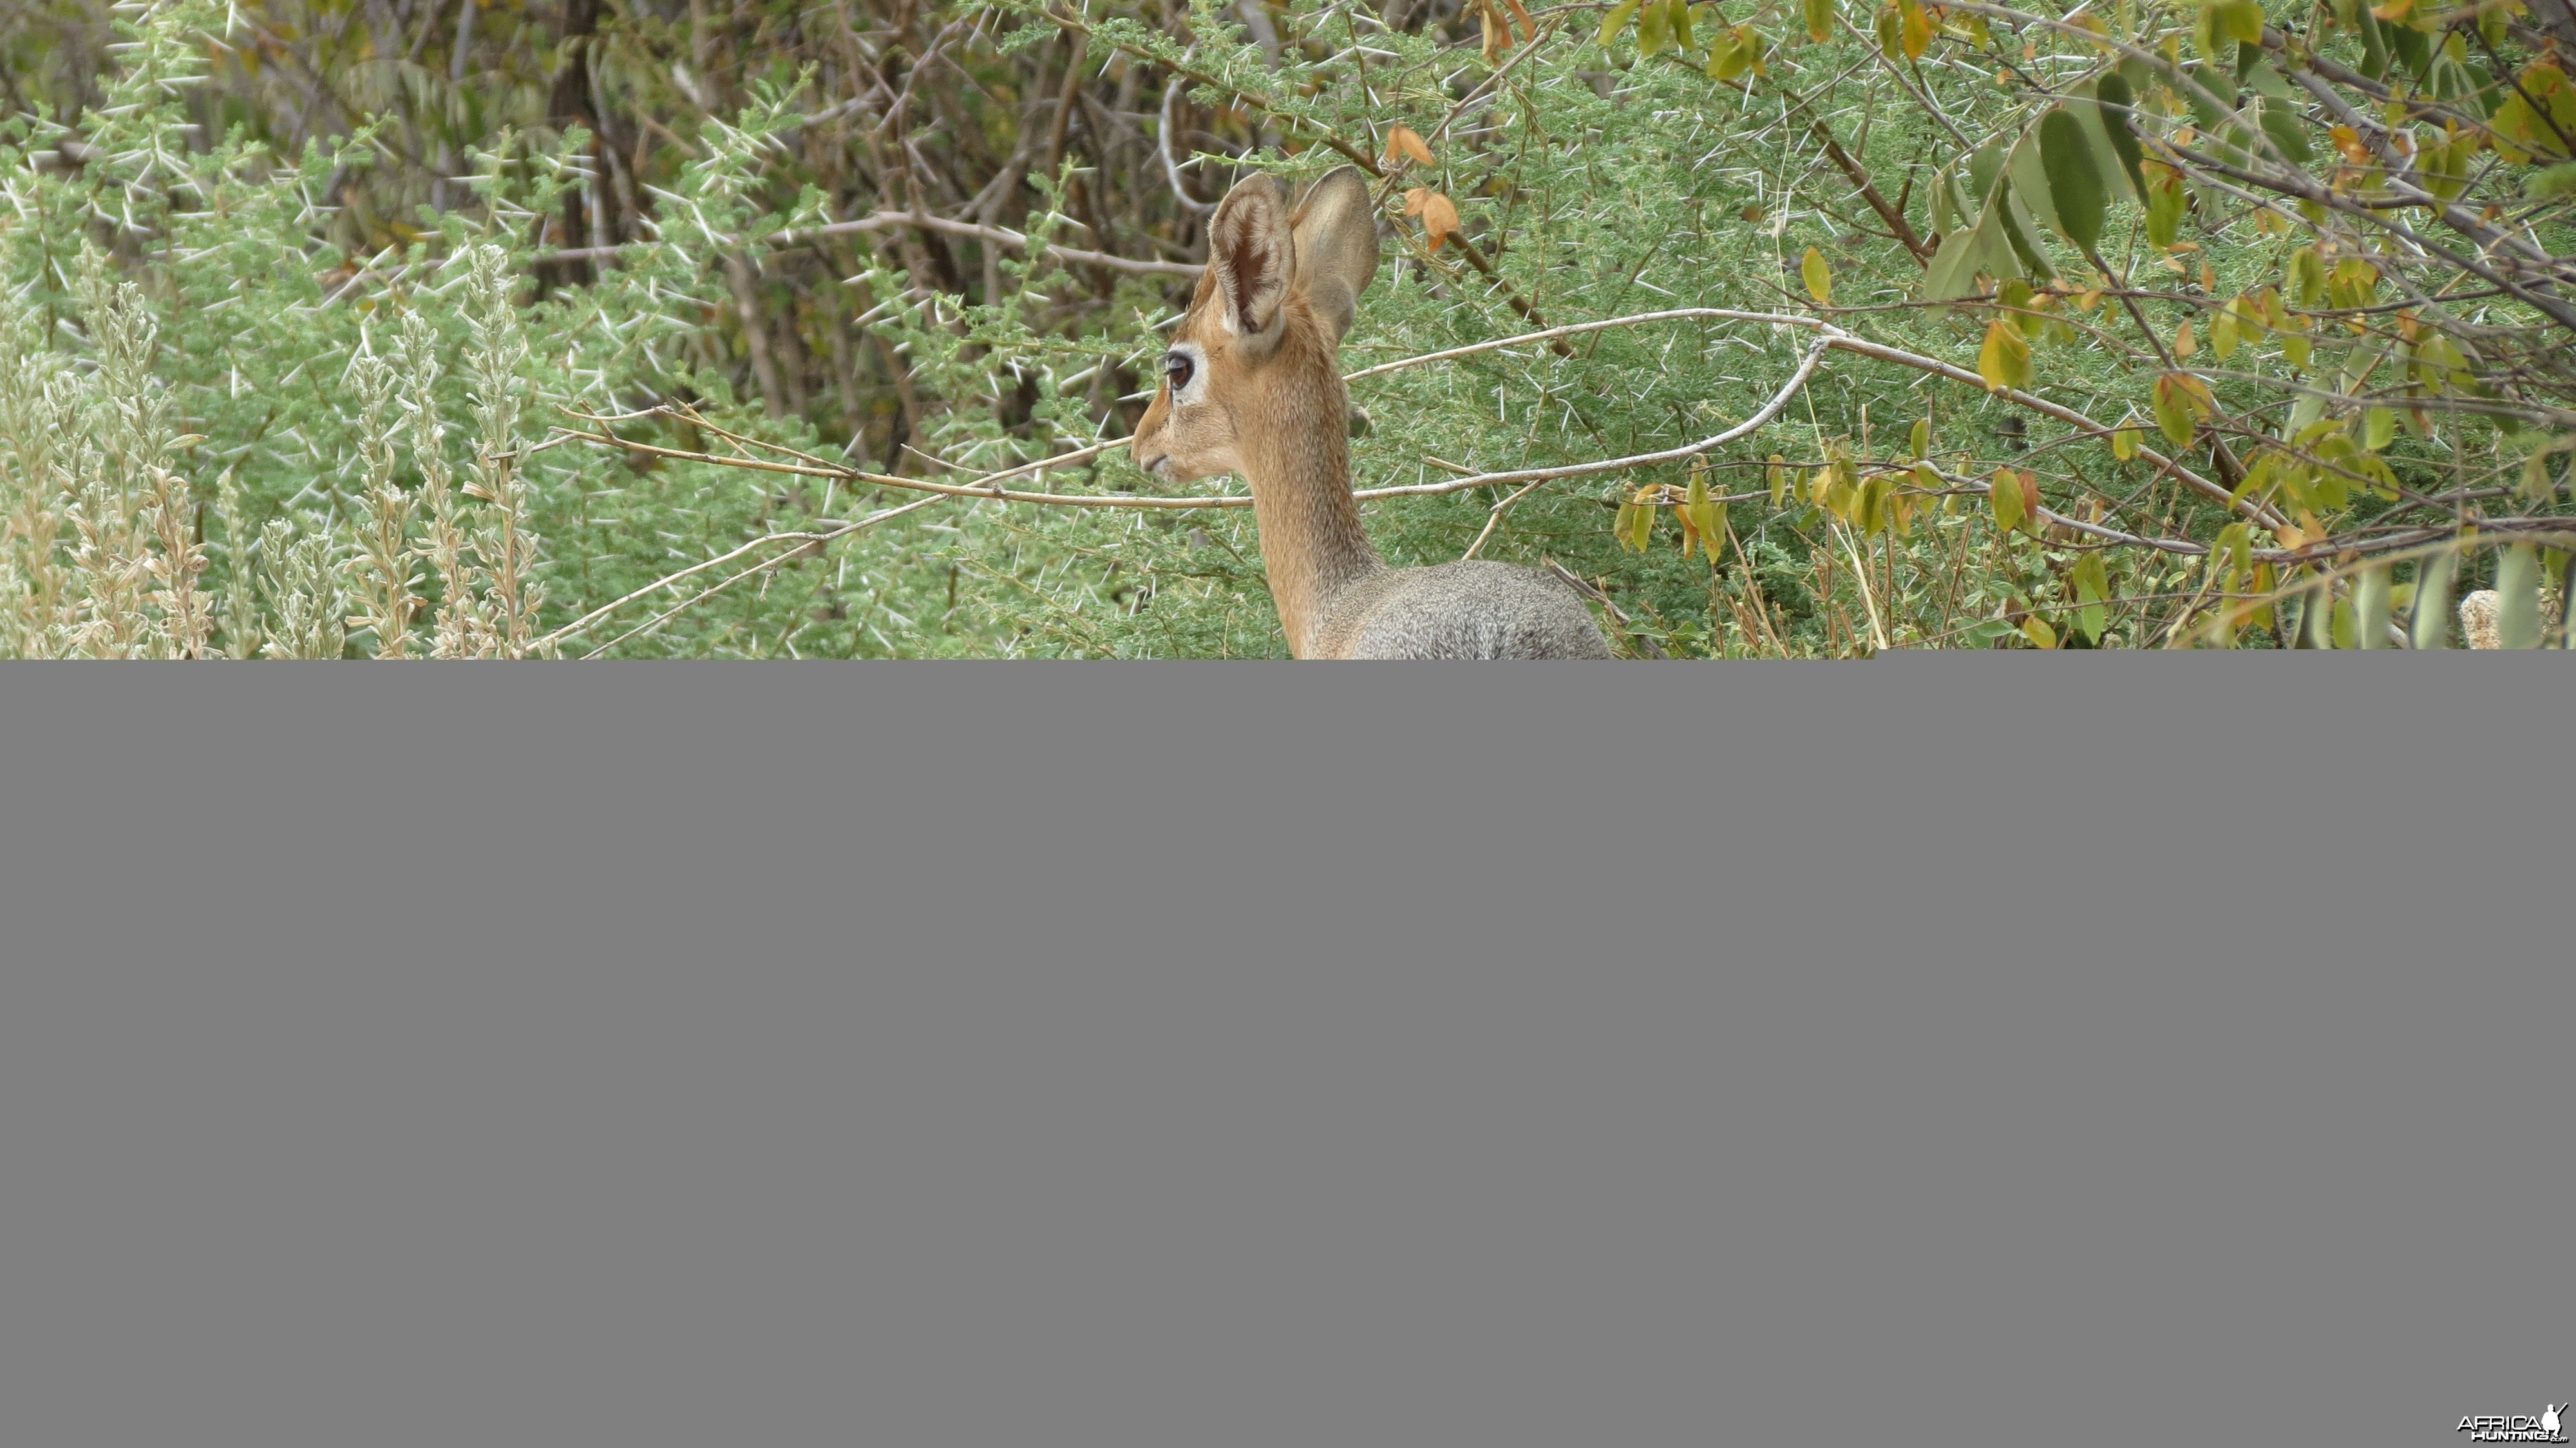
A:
(2148, 324)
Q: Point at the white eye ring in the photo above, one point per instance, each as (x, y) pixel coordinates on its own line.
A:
(1185, 372)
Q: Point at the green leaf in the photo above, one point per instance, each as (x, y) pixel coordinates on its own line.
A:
(1624, 527)
(2518, 598)
(2307, 276)
(1921, 438)
(2240, 20)
(2021, 232)
(2281, 124)
(1617, 20)
(2030, 181)
(2075, 189)
(2164, 208)
(1818, 277)
(2433, 602)
(2113, 94)
(2180, 400)
(2370, 606)
(1654, 29)
(1820, 20)
(1703, 514)
(2092, 583)
(2378, 427)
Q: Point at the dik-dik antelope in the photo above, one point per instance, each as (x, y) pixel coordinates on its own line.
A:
(1252, 385)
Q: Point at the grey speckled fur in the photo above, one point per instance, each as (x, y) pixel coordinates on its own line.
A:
(1469, 610)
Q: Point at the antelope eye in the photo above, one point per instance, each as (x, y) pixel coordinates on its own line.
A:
(1176, 368)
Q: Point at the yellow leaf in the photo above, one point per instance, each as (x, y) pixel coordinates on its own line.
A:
(2124, 443)
(2004, 493)
(1819, 277)
(2004, 361)
(2038, 632)
(2184, 345)
(1406, 141)
(1914, 33)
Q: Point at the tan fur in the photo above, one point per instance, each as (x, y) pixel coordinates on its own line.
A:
(1265, 399)
(2480, 624)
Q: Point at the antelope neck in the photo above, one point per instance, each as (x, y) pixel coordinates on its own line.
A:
(1312, 545)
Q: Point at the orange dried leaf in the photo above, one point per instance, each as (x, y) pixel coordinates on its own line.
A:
(1439, 218)
(1406, 141)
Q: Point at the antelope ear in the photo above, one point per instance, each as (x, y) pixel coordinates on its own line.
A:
(1251, 256)
(1336, 235)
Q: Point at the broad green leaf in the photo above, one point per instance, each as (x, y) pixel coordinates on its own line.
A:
(1779, 479)
(1654, 29)
(2240, 20)
(1820, 20)
(1920, 439)
(1953, 272)
(2115, 97)
(2180, 400)
(2092, 586)
(2370, 606)
(1984, 166)
(1641, 526)
(2075, 189)
(2124, 442)
(2518, 597)
(2378, 428)
(2021, 231)
(1617, 20)
(2030, 181)
(2222, 333)
(2281, 125)
(1624, 527)
(2164, 207)
(2307, 276)
(1818, 277)
(2432, 628)
(1704, 514)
